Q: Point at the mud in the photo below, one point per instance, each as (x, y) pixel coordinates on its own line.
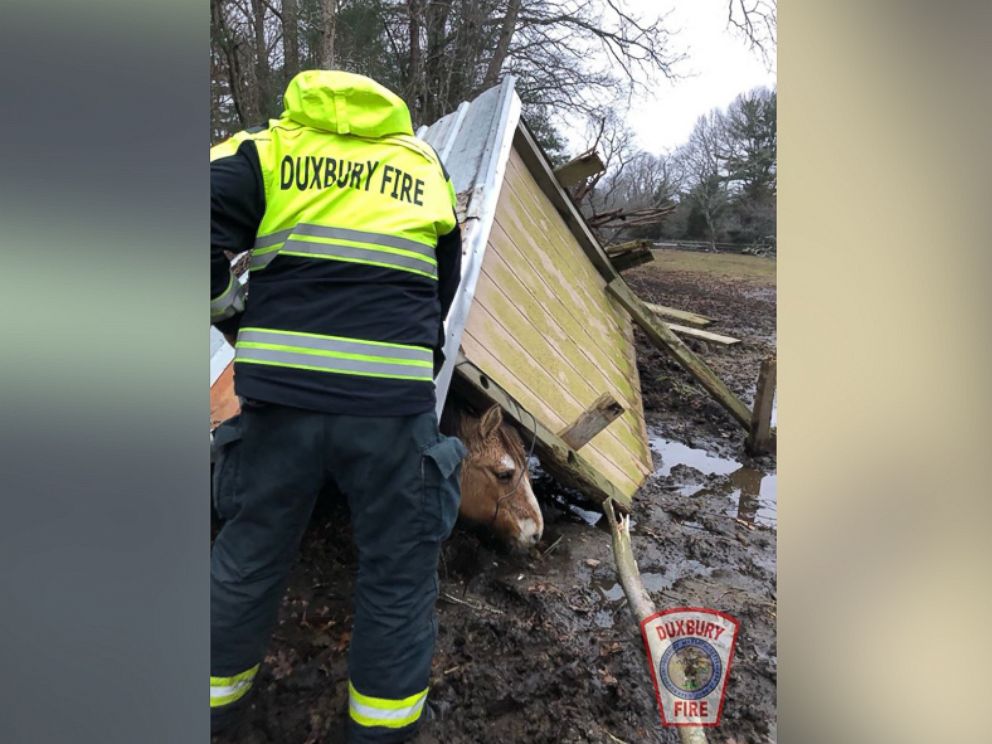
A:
(542, 647)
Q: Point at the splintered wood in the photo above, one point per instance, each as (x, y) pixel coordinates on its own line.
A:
(604, 409)
(762, 438)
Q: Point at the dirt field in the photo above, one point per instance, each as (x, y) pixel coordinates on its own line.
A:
(541, 647)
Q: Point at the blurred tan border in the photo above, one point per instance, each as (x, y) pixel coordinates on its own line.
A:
(885, 371)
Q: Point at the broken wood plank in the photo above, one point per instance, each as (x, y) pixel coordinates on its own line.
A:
(593, 420)
(579, 169)
(683, 316)
(628, 255)
(631, 259)
(761, 439)
(713, 338)
(562, 461)
(665, 339)
(638, 599)
(631, 245)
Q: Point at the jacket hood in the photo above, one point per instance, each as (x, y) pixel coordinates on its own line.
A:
(345, 103)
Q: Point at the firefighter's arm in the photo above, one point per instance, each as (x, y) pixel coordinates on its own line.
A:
(237, 204)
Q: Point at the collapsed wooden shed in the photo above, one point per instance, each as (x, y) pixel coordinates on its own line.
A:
(533, 327)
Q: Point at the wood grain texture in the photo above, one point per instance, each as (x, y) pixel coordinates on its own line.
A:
(544, 330)
(683, 316)
(604, 410)
(567, 465)
(761, 439)
(579, 169)
(713, 338)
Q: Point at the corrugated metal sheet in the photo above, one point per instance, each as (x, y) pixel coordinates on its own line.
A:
(474, 143)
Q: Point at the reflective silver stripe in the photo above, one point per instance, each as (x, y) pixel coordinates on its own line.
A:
(362, 255)
(321, 363)
(260, 262)
(336, 345)
(218, 692)
(229, 302)
(359, 236)
(264, 241)
(380, 715)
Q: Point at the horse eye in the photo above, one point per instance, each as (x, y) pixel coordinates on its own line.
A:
(505, 475)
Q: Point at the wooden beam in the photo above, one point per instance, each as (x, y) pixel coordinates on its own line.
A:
(578, 169)
(631, 245)
(627, 255)
(593, 420)
(631, 259)
(713, 338)
(683, 316)
(664, 338)
(762, 439)
(562, 461)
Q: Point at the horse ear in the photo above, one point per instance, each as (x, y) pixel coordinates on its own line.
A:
(491, 421)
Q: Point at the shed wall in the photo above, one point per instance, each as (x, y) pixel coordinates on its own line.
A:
(544, 329)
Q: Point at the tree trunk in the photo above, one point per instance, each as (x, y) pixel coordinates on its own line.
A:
(506, 30)
(329, 15)
(262, 86)
(222, 35)
(291, 38)
(437, 64)
(416, 65)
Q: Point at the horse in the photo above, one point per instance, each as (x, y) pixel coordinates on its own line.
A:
(495, 482)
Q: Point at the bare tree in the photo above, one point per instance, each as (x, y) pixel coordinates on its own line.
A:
(291, 38)
(702, 160)
(329, 14)
(757, 22)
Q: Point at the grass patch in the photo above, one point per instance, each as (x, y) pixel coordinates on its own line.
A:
(753, 268)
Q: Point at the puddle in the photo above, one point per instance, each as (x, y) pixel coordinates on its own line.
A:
(753, 493)
(676, 453)
(755, 496)
(654, 581)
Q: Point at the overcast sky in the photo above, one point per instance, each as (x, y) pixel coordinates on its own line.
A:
(719, 67)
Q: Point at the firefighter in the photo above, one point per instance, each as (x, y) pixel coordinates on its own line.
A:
(355, 259)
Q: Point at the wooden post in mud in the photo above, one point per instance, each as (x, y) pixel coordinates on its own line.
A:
(637, 596)
(665, 338)
(762, 439)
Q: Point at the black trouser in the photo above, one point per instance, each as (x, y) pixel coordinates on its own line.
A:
(400, 476)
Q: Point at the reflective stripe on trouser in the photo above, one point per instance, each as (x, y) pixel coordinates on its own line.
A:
(226, 690)
(334, 354)
(366, 710)
(350, 246)
(399, 518)
(229, 302)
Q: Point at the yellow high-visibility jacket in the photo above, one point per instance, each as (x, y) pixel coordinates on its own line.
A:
(355, 251)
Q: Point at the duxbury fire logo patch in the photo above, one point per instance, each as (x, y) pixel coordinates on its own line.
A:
(690, 650)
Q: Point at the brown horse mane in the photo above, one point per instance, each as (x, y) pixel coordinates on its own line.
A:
(451, 423)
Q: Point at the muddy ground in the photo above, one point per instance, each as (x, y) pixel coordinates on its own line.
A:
(542, 647)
